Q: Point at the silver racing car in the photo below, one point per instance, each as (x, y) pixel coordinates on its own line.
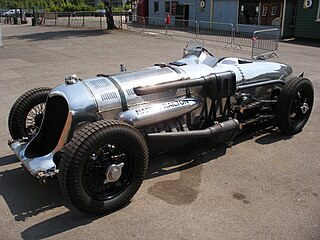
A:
(95, 134)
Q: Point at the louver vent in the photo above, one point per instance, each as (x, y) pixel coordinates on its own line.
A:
(100, 83)
(108, 96)
(130, 91)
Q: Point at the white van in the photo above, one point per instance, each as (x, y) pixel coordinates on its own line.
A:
(11, 12)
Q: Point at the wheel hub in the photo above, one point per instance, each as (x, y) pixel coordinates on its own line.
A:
(304, 108)
(113, 173)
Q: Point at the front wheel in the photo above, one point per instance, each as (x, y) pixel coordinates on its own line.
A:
(103, 166)
(27, 112)
(294, 105)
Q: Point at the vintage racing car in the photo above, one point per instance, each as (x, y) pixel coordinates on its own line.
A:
(95, 134)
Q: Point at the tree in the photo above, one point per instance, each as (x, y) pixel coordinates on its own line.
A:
(100, 5)
(109, 15)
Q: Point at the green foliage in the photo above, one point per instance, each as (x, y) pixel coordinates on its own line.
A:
(68, 7)
(127, 6)
(48, 5)
(53, 7)
(100, 5)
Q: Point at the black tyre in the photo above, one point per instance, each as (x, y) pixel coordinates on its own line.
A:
(103, 166)
(27, 112)
(294, 105)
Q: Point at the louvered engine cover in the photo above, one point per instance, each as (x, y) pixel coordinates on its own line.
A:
(107, 90)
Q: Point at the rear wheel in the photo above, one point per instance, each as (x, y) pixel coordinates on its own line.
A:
(103, 166)
(294, 105)
(27, 112)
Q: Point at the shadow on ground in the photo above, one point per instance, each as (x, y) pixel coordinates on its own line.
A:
(304, 42)
(26, 198)
(57, 35)
(24, 195)
(8, 160)
(57, 225)
(188, 162)
(201, 152)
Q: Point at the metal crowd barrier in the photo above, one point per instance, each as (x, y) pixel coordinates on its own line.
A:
(262, 40)
(265, 43)
(242, 34)
(182, 28)
(119, 19)
(151, 25)
(154, 25)
(217, 32)
(136, 23)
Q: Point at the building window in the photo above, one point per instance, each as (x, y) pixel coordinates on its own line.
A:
(274, 10)
(260, 12)
(156, 7)
(264, 11)
(167, 7)
(249, 12)
(318, 15)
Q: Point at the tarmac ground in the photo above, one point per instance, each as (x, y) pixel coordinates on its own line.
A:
(264, 186)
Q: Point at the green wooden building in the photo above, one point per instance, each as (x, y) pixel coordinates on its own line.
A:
(307, 22)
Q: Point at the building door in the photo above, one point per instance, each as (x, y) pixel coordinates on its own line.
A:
(143, 7)
(186, 12)
(182, 15)
(249, 12)
(289, 19)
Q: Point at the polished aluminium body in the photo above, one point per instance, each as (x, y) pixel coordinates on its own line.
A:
(79, 102)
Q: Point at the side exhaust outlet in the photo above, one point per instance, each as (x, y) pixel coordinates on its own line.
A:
(219, 133)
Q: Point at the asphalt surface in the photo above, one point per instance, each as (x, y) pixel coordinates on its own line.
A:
(264, 186)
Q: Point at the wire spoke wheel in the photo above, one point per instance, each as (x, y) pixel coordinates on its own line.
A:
(107, 171)
(103, 166)
(300, 107)
(27, 112)
(34, 119)
(294, 105)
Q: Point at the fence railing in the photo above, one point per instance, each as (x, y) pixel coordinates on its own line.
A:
(136, 23)
(11, 20)
(92, 20)
(154, 25)
(242, 36)
(265, 43)
(262, 39)
(217, 32)
(74, 20)
(181, 28)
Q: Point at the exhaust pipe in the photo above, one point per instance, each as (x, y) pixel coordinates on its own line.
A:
(219, 85)
(149, 114)
(219, 133)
